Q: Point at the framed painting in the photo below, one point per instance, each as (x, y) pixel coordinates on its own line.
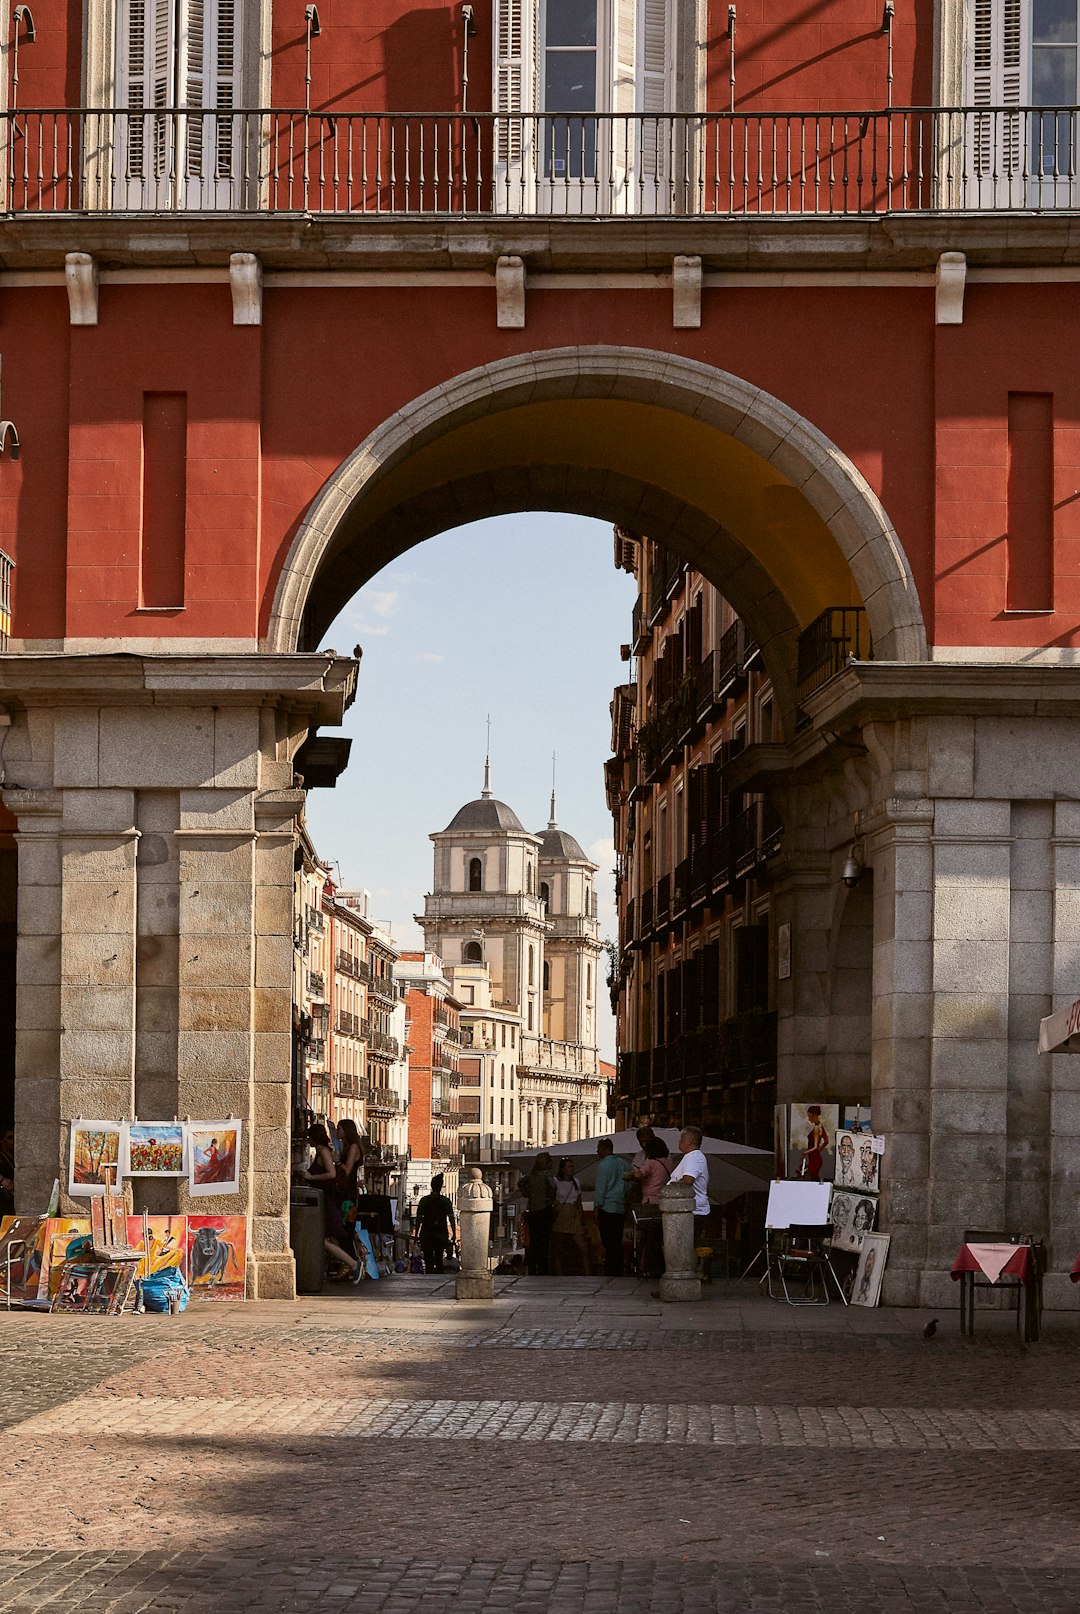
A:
(167, 1241)
(852, 1216)
(216, 1249)
(93, 1146)
(870, 1151)
(867, 1287)
(811, 1133)
(20, 1265)
(63, 1238)
(154, 1149)
(215, 1157)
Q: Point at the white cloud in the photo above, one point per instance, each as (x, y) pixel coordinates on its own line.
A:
(430, 655)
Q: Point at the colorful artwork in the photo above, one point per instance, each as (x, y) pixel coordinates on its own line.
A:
(217, 1257)
(87, 1287)
(215, 1157)
(867, 1287)
(94, 1145)
(856, 1117)
(168, 1237)
(852, 1217)
(61, 1238)
(154, 1149)
(20, 1261)
(811, 1131)
(780, 1139)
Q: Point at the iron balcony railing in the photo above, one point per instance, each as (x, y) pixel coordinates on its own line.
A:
(828, 644)
(185, 159)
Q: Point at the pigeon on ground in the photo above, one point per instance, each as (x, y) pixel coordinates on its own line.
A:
(931, 1329)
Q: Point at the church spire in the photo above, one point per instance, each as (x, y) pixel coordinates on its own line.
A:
(553, 822)
(486, 792)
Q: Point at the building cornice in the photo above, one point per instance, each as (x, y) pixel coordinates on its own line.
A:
(388, 246)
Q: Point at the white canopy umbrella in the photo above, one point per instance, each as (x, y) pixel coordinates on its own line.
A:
(734, 1168)
(1060, 1033)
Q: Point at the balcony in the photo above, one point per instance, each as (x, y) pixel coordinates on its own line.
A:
(680, 889)
(663, 900)
(384, 988)
(826, 646)
(756, 835)
(347, 1024)
(316, 982)
(715, 164)
(385, 1099)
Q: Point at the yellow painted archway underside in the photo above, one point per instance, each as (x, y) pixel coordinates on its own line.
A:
(682, 458)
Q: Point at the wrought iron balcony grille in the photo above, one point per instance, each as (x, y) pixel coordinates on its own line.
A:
(728, 164)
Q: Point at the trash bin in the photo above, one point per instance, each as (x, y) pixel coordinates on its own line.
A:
(306, 1234)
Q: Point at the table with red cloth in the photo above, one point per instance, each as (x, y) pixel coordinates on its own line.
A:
(1024, 1264)
(1075, 1273)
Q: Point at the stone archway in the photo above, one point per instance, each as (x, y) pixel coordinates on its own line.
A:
(394, 491)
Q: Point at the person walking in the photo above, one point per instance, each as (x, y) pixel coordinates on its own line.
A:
(538, 1186)
(609, 1202)
(435, 1226)
(652, 1174)
(323, 1174)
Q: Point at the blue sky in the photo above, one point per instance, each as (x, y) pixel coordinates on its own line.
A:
(521, 616)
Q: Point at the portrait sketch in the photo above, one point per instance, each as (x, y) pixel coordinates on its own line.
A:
(852, 1216)
(866, 1290)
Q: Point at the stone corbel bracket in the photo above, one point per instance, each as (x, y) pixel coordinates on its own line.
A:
(245, 280)
(950, 279)
(509, 293)
(81, 275)
(686, 294)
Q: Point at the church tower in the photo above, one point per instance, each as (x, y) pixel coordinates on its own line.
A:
(567, 890)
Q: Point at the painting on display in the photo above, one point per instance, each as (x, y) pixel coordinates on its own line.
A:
(216, 1249)
(215, 1157)
(19, 1260)
(852, 1216)
(100, 1289)
(154, 1149)
(856, 1117)
(168, 1235)
(870, 1151)
(867, 1287)
(62, 1239)
(811, 1134)
(846, 1173)
(94, 1145)
(780, 1140)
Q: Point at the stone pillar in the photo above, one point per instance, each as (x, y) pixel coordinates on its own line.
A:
(900, 850)
(475, 1280)
(803, 897)
(680, 1280)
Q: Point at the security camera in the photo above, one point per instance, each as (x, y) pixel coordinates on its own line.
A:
(851, 873)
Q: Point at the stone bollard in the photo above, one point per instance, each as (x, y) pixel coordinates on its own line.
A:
(474, 1281)
(680, 1280)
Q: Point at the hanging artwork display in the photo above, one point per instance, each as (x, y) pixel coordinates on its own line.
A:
(811, 1131)
(870, 1151)
(780, 1140)
(867, 1287)
(94, 1145)
(852, 1216)
(214, 1157)
(217, 1257)
(168, 1236)
(154, 1149)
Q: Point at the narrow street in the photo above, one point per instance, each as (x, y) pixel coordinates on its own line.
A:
(574, 1448)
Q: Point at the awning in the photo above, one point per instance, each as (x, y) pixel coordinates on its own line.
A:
(1060, 1033)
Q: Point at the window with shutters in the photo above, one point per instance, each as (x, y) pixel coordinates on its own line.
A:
(1022, 54)
(583, 97)
(177, 81)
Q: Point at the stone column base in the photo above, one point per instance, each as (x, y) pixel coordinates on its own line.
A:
(680, 1286)
(271, 1276)
(474, 1286)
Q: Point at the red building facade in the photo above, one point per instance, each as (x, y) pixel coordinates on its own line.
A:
(789, 292)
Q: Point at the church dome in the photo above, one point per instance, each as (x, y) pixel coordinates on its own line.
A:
(485, 814)
(556, 846)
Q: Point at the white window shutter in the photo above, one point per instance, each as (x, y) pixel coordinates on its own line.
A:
(516, 24)
(655, 88)
(997, 74)
(144, 78)
(623, 127)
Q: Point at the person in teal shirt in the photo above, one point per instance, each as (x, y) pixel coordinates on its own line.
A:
(610, 1204)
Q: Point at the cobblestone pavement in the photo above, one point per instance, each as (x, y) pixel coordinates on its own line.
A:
(576, 1448)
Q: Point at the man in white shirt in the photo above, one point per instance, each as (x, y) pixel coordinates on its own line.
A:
(694, 1168)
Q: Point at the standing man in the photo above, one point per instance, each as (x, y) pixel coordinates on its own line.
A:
(435, 1226)
(694, 1168)
(538, 1186)
(610, 1205)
